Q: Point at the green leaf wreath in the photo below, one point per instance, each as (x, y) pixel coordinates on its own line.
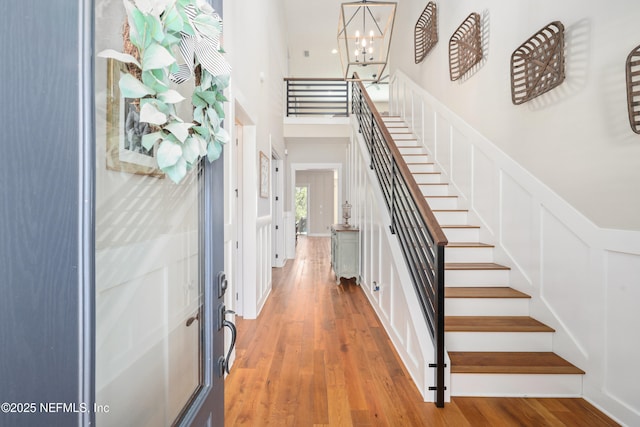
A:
(154, 30)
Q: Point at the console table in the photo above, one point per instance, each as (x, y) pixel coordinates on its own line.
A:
(345, 252)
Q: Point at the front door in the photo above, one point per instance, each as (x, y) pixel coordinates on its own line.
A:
(159, 256)
(145, 349)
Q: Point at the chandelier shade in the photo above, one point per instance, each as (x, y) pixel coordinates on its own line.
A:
(364, 37)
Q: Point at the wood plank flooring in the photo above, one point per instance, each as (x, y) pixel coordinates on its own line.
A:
(318, 356)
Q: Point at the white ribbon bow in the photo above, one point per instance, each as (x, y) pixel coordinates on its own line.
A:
(201, 46)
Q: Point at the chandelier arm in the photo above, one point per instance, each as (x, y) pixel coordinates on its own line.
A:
(344, 27)
(374, 20)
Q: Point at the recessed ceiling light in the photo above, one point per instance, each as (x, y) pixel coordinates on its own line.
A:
(334, 51)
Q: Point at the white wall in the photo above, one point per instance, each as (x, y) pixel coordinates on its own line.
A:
(576, 138)
(255, 43)
(321, 200)
(313, 150)
(583, 279)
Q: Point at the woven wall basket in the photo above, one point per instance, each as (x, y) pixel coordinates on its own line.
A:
(633, 88)
(465, 48)
(426, 32)
(537, 66)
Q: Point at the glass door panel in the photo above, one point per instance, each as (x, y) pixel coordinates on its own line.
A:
(149, 291)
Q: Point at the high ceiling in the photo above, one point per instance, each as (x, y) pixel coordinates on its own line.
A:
(312, 26)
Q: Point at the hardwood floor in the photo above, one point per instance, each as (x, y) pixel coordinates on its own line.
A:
(318, 356)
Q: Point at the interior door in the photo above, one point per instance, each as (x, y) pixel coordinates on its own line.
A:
(277, 214)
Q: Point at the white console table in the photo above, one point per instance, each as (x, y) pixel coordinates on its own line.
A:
(345, 252)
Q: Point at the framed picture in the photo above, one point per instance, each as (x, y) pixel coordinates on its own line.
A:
(264, 175)
(125, 152)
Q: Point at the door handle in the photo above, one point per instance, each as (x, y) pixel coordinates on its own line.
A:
(192, 319)
(223, 362)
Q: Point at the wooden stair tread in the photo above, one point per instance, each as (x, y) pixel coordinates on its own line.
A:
(467, 244)
(483, 292)
(474, 266)
(421, 163)
(458, 225)
(494, 324)
(510, 363)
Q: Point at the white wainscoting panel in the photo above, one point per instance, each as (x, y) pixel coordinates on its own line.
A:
(461, 165)
(621, 374)
(584, 281)
(290, 234)
(263, 257)
(486, 191)
(519, 226)
(443, 144)
(565, 283)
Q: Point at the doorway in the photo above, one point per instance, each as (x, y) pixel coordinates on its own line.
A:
(302, 210)
(324, 195)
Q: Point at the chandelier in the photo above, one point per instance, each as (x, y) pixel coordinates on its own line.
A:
(364, 36)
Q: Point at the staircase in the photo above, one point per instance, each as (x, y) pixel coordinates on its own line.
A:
(495, 347)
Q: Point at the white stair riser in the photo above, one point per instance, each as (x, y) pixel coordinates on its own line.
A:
(516, 385)
(498, 341)
(439, 203)
(416, 168)
(486, 306)
(434, 190)
(452, 217)
(462, 234)
(405, 139)
(430, 178)
(412, 150)
(409, 143)
(397, 128)
(476, 277)
(422, 158)
(452, 254)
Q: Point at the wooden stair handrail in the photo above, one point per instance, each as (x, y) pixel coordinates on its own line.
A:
(427, 214)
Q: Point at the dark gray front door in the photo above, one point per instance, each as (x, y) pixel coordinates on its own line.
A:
(66, 229)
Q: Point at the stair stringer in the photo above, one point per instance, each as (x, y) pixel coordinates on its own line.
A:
(539, 307)
(518, 277)
(505, 385)
(369, 212)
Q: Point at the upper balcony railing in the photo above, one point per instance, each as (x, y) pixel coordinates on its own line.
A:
(317, 97)
(419, 234)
